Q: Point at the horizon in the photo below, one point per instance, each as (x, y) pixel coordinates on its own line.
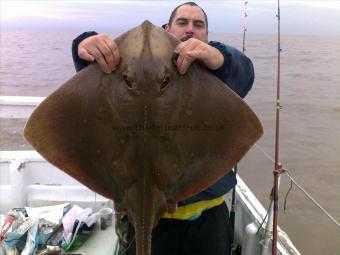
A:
(297, 17)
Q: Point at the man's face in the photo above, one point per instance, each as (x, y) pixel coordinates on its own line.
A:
(188, 22)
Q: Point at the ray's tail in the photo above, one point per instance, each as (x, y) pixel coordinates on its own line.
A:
(146, 204)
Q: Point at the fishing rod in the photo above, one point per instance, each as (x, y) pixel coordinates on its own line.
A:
(278, 165)
(244, 26)
(236, 249)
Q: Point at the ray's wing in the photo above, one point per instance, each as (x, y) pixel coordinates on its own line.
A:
(213, 128)
(73, 129)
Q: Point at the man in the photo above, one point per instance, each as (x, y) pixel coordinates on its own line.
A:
(200, 224)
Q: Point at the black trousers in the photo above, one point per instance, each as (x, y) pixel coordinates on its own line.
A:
(210, 234)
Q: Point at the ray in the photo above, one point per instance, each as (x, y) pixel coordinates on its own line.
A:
(141, 135)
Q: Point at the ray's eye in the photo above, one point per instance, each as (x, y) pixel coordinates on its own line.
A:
(127, 81)
(164, 82)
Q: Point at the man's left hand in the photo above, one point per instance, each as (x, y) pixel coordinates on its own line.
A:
(194, 49)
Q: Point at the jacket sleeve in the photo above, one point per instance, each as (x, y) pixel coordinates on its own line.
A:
(237, 71)
(219, 188)
(77, 61)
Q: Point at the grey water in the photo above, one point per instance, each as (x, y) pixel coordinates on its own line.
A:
(34, 63)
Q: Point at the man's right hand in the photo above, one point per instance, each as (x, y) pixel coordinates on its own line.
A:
(100, 48)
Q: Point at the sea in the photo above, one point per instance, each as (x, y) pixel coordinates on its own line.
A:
(35, 63)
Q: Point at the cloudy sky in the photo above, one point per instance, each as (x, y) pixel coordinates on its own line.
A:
(297, 17)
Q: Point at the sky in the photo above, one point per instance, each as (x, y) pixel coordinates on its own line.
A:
(311, 17)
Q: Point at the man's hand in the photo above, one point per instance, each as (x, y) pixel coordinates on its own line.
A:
(194, 49)
(100, 48)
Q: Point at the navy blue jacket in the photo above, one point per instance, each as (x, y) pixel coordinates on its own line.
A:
(237, 71)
